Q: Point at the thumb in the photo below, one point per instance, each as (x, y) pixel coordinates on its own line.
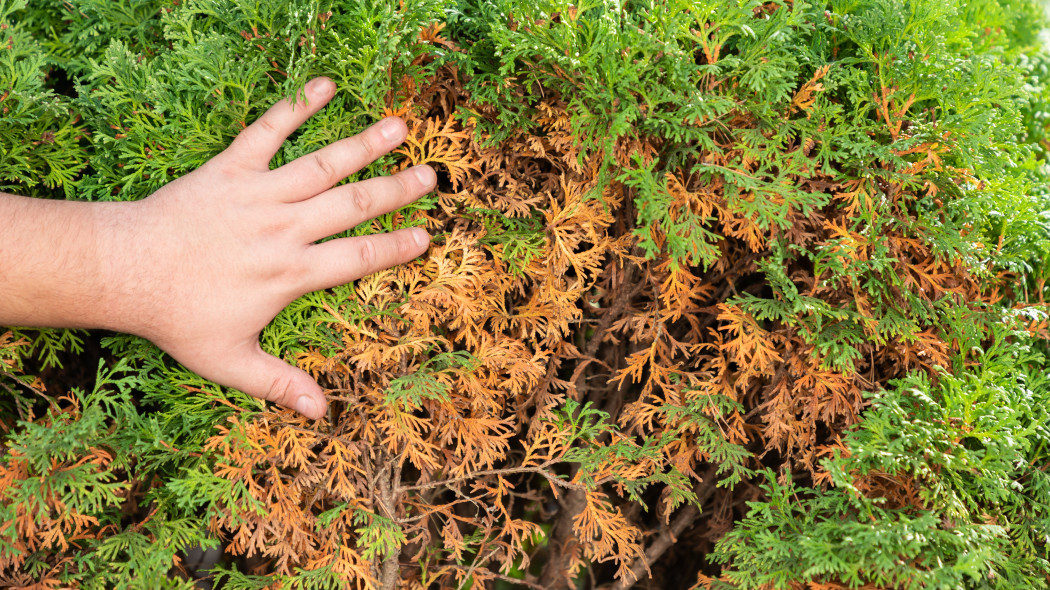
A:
(267, 377)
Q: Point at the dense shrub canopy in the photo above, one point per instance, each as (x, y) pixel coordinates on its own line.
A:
(744, 295)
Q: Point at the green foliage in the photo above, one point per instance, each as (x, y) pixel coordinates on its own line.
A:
(409, 392)
(700, 416)
(77, 31)
(40, 134)
(972, 448)
(80, 461)
(379, 536)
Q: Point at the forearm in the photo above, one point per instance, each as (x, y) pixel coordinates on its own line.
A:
(56, 262)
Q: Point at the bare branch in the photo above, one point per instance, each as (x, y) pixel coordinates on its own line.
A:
(541, 470)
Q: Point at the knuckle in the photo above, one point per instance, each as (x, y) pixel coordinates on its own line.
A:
(289, 281)
(405, 182)
(282, 390)
(406, 246)
(368, 146)
(243, 140)
(252, 138)
(266, 125)
(361, 201)
(227, 167)
(366, 252)
(275, 226)
(325, 169)
(270, 221)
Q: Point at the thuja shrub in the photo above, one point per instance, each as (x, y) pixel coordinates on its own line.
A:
(744, 295)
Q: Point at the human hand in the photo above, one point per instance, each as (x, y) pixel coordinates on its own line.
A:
(221, 251)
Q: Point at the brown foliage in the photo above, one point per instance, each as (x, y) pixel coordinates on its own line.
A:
(43, 521)
(443, 461)
(583, 316)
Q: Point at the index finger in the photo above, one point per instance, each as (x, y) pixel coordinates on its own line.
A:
(258, 143)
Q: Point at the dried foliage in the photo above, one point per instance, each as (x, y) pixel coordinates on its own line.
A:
(726, 299)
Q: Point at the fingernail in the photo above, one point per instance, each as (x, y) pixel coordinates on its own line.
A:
(390, 129)
(424, 174)
(320, 86)
(309, 406)
(421, 237)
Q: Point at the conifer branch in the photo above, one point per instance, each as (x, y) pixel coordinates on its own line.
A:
(27, 386)
(561, 542)
(669, 534)
(540, 470)
(496, 575)
(668, 537)
(387, 494)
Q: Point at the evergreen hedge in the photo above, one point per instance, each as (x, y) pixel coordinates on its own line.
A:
(722, 295)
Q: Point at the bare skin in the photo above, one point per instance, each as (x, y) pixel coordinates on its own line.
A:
(204, 264)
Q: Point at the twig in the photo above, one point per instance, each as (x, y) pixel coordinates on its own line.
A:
(478, 559)
(22, 411)
(509, 471)
(26, 385)
(498, 576)
(562, 542)
(668, 535)
(389, 570)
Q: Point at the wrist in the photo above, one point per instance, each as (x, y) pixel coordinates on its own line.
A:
(122, 266)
